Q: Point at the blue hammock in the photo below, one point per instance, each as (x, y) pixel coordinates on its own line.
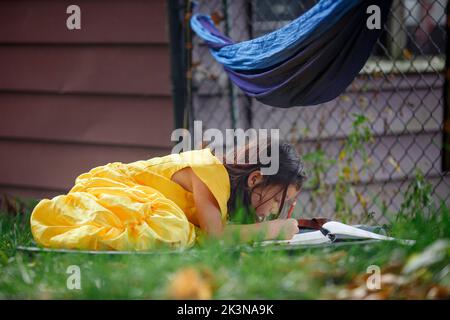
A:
(310, 61)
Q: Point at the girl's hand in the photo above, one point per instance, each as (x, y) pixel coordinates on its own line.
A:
(283, 228)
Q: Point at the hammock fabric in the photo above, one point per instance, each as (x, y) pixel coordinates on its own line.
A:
(307, 62)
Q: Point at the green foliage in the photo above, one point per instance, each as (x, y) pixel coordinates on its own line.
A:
(418, 199)
(348, 173)
(429, 220)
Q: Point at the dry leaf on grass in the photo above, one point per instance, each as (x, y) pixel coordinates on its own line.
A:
(189, 283)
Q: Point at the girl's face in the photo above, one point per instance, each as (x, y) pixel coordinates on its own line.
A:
(267, 200)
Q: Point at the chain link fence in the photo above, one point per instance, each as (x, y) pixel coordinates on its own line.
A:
(365, 147)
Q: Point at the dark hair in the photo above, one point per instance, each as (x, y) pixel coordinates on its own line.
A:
(290, 172)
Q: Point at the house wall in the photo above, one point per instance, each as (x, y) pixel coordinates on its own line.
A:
(71, 100)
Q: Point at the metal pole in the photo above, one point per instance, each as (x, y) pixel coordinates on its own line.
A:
(446, 105)
(175, 10)
(248, 100)
(189, 109)
(397, 37)
(231, 89)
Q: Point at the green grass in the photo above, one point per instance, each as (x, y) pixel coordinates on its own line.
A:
(223, 272)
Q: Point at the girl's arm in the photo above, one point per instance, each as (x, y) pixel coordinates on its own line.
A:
(283, 229)
(210, 219)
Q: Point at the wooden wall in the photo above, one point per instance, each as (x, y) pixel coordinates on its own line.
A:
(74, 99)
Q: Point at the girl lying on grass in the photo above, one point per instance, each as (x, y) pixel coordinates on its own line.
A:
(171, 200)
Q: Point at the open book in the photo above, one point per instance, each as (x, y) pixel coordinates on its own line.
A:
(333, 231)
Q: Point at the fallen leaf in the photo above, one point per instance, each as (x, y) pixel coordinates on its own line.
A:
(438, 292)
(433, 253)
(407, 54)
(189, 283)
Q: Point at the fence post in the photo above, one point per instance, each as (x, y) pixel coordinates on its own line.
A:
(177, 63)
(397, 36)
(231, 89)
(446, 127)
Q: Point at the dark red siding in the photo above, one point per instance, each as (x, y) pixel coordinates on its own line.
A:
(72, 100)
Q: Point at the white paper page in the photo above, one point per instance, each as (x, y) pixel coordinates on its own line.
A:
(346, 230)
(338, 228)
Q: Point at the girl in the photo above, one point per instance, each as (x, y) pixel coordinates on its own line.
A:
(170, 200)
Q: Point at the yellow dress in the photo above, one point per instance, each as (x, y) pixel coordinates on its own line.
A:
(134, 206)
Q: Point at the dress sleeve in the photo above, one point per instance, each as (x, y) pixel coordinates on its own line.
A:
(213, 173)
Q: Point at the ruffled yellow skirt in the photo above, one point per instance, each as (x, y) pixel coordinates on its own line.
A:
(108, 210)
